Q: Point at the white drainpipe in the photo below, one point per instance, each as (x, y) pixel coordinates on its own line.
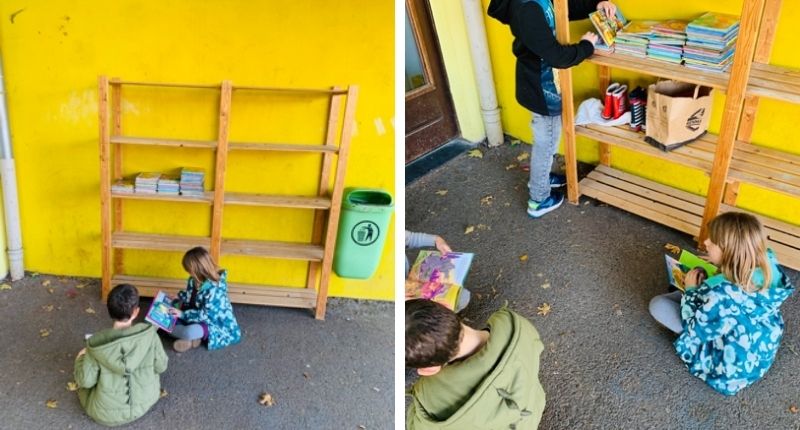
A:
(479, 47)
(8, 177)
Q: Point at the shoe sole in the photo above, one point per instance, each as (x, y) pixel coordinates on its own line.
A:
(539, 214)
(183, 345)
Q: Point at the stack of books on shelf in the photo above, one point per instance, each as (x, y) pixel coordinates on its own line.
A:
(147, 182)
(634, 38)
(168, 185)
(711, 41)
(667, 40)
(192, 181)
(122, 186)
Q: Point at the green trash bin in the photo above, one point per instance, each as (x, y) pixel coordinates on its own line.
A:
(363, 226)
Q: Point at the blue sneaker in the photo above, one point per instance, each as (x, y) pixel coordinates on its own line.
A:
(557, 180)
(551, 203)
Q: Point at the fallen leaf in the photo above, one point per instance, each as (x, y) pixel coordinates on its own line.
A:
(672, 248)
(162, 394)
(515, 142)
(80, 286)
(46, 283)
(543, 309)
(72, 386)
(34, 274)
(793, 409)
(483, 227)
(523, 156)
(512, 166)
(72, 293)
(306, 375)
(52, 404)
(47, 308)
(475, 153)
(523, 257)
(44, 332)
(487, 200)
(617, 310)
(5, 286)
(265, 399)
(441, 192)
(89, 310)
(469, 229)
(506, 204)
(546, 285)
(362, 427)
(376, 389)
(540, 274)
(50, 290)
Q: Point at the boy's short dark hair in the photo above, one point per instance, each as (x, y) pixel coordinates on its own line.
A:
(122, 300)
(433, 333)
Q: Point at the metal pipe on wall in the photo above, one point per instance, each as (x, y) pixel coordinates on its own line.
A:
(8, 177)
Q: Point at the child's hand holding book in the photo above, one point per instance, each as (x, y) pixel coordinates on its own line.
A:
(695, 277)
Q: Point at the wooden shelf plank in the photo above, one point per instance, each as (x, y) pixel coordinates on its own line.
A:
(284, 201)
(168, 85)
(238, 293)
(285, 147)
(774, 82)
(272, 249)
(660, 68)
(130, 140)
(207, 198)
(306, 91)
(158, 242)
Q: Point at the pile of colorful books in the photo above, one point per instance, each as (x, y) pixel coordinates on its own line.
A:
(192, 180)
(667, 40)
(711, 41)
(168, 185)
(147, 182)
(122, 186)
(634, 38)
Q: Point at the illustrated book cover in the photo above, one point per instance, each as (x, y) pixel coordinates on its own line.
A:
(159, 315)
(677, 269)
(438, 277)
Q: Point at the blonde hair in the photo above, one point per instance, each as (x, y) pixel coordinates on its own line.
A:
(743, 243)
(201, 267)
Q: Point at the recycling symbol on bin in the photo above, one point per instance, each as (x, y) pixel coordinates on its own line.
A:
(365, 233)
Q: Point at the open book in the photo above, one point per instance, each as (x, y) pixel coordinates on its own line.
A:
(438, 277)
(607, 27)
(159, 315)
(677, 269)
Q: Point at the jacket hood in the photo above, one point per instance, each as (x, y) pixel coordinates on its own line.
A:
(500, 10)
(120, 350)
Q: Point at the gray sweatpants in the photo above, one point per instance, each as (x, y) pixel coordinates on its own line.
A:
(666, 309)
(546, 136)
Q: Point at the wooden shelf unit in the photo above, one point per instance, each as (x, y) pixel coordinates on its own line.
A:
(325, 204)
(728, 158)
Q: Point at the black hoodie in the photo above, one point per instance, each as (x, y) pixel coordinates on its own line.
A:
(538, 51)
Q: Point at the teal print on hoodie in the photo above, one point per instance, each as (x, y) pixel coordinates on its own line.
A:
(730, 336)
(213, 308)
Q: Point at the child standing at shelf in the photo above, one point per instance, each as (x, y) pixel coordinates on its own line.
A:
(538, 53)
(204, 310)
(729, 326)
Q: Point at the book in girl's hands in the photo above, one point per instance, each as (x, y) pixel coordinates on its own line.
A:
(607, 27)
(677, 269)
(438, 277)
(159, 315)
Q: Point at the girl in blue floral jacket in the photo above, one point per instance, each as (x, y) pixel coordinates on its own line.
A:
(204, 310)
(730, 325)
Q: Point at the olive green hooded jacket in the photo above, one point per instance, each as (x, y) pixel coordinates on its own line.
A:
(118, 377)
(496, 388)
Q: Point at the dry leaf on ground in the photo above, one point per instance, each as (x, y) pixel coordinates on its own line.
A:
(72, 293)
(475, 153)
(5, 287)
(675, 249)
(34, 274)
(793, 409)
(483, 227)
(523, 156)
(46, 283)
(512, 166)
(544, 309)
(47, 308)
(515, 142)
(162, 394)
(89, 310)
(52, 404)
(72, 386)
(469, 229)
(441, 192)
(487, 200)
(80, 286)
(44, 332)
(50, 290)
(523, 257)
(306, 375)
(546, 285)
(265, 399)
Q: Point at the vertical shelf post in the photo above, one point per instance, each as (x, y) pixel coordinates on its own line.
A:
(225, 96)
(567, 106)
(752, 12)
(336, 200)
(105, 185)
(116, 155)
(605, 81)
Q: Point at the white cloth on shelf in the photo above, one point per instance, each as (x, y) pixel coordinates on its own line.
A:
(590, 112)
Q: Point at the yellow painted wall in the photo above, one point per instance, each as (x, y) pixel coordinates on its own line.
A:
(53, 52)
(775, 122)
(448, 17)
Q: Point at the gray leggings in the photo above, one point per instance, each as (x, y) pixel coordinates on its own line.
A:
(187, 331)
(666, 309)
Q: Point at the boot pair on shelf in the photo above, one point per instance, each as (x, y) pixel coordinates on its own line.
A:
(616, 104)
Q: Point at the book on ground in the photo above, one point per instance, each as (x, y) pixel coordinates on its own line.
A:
(438, 277)
(677, 269)
(159, 315)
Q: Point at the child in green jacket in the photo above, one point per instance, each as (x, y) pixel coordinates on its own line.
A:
(472, 379)
(118, 370)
